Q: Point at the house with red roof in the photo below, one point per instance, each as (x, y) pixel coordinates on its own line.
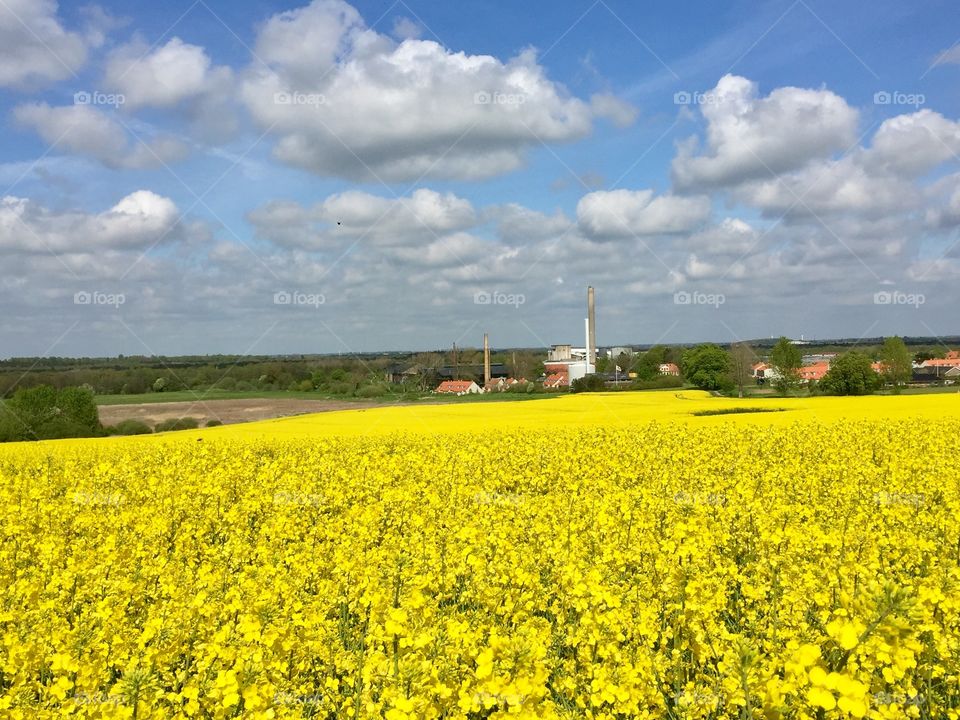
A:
(944, 362)
(555, 381)
(458, 387)
(669, 369)
(814, 371)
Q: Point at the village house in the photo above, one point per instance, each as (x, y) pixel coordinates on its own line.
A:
(458, 387)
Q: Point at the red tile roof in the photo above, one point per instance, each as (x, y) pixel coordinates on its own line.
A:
(941, 362)
(556, 380)
(454, 386)
(814, 371)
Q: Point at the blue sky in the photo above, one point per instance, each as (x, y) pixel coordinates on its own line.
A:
(717, 171)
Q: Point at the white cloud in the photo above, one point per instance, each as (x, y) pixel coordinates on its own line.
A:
(619, 112)
(137, 221)
(360, 105)
(162, 77)
(520, 225)
(35, 47)
(830, 187)
(751, 137)
(914, 144)
(90, 132)
(627, 213)
(359, 216)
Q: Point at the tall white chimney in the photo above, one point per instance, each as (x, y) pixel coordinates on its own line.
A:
(592, 328)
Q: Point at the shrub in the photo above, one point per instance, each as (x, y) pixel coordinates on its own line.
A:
(43, 413)
(588, 383)
(129, 427)
(658, 383)
(184, 423)
(371, 391)
(214, 423)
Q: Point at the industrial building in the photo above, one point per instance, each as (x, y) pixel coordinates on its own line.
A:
(566, 363)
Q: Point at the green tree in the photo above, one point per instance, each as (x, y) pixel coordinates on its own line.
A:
(42, 413)
(786, 361)
(851, 374)
(707, 366)
(741, 365)
(648, 365)
(897, 366)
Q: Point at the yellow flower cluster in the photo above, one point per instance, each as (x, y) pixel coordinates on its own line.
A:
(809, 570)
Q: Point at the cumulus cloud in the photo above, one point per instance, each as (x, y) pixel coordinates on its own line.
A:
(520, 225)
(176, 76)
(751, 137)
(347, 101)
(163, 77)
(355, 215)
(91, 132)
(831, 187)
(137, 221)
(35, 47)
(628, 213)
(914, 144)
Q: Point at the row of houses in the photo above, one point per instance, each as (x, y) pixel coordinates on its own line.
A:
(815, 367)
(471, 387)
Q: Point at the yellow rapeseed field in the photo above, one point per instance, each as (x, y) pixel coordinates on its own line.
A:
(609, 556)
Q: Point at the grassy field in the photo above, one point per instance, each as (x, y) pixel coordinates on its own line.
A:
(205, 395)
